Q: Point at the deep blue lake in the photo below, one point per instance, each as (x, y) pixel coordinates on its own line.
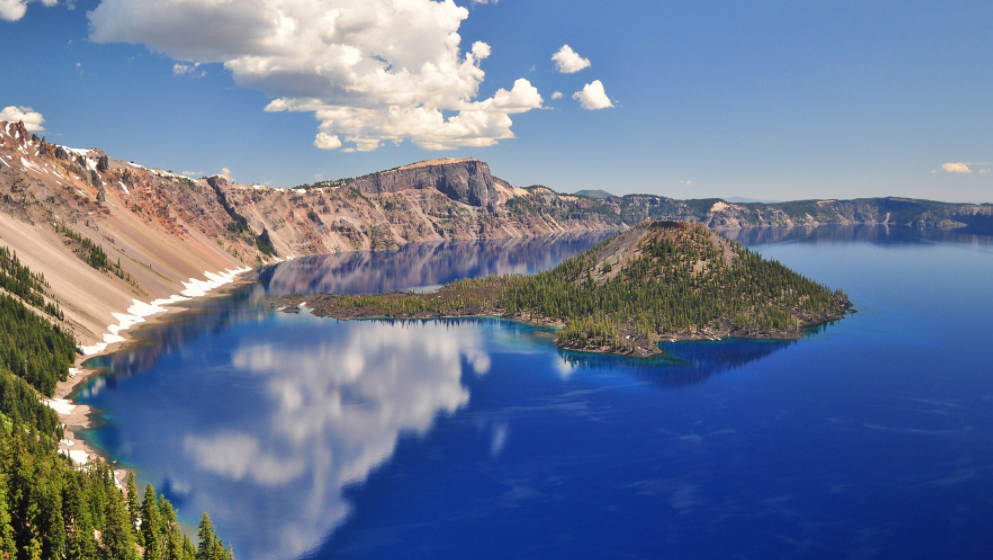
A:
(313, 438)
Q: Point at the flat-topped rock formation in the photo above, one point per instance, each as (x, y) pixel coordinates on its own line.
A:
(463, 180)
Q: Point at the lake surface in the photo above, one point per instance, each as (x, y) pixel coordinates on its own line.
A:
(312, 438)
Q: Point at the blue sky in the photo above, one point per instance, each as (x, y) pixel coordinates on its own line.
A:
(770, 100)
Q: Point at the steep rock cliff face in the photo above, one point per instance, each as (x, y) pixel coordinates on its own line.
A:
(327, 220)
(463, 180)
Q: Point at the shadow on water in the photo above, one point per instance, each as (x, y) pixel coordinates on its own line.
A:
(684, 364)
(873, 234)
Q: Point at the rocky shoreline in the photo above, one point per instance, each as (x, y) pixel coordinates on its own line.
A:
(76, 417)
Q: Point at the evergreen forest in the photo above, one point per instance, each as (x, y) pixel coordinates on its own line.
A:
(49, 507)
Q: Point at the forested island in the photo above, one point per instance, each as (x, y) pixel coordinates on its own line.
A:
(656, 281)
(49, 507)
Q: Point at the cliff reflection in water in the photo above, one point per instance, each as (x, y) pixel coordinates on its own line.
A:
(877, 234)
(424, 264)
(416, 265)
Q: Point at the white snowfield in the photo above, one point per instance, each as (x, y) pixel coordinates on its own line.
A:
(78, 456)
(62, 406)
(139, 309)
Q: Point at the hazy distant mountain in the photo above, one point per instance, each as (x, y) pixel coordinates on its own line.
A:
(594, 193)
(745, 200)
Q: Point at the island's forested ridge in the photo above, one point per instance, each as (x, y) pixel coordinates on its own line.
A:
(49, 508)
(657, 281)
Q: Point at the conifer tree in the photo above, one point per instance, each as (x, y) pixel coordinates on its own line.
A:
(8, 548)
(205, 532)
(132, 497)
(189, 551)
(150, 524)
(117, 538)
(33, 550)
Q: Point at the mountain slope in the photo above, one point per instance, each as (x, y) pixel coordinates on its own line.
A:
(58, 205)
(154, 234)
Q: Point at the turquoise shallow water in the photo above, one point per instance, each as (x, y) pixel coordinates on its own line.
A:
(313, 438)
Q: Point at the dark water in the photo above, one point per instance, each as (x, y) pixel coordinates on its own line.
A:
(312, 438)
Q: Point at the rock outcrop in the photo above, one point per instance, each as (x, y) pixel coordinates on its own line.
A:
(467, 181)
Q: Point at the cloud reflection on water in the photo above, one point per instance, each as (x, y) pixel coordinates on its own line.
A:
(337, 411)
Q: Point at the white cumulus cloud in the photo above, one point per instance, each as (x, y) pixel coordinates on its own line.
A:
(188, 69)
(31, 118)
(370, 70)
(568, 61)
(593, 97)
(956, 168)
(325, 141)
(557, 95)
(13, 10)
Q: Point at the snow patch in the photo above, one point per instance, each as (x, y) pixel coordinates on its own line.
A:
(31, 166)
(139, 309)
(62, 406)
(125, 188)
(172, 299)
(78, 456)
(197, 288)
(95, 349)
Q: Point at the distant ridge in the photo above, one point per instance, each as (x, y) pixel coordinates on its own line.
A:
(594, 193)
(746, 200)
